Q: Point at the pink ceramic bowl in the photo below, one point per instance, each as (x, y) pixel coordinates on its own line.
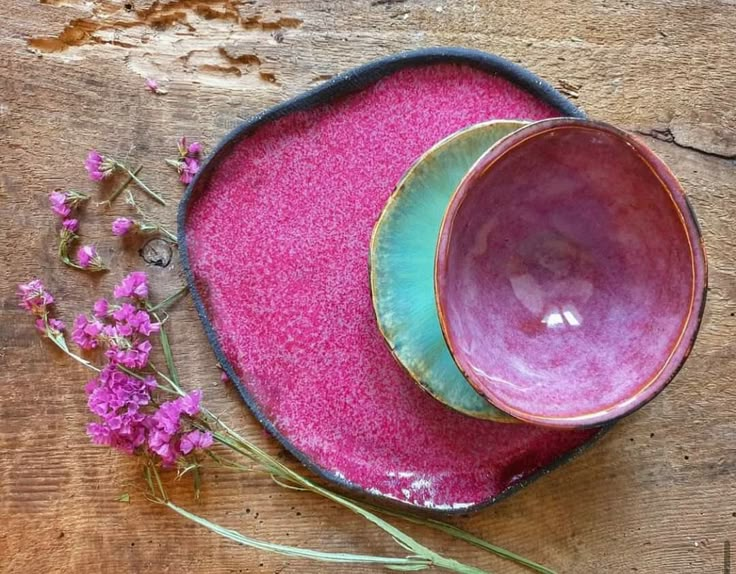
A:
(570, 274)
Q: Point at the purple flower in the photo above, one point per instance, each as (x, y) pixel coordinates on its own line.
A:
(188, 168)
(134, 357)
(59, 204)
(87, 255)
(134, 285)
(34, 297)
(93, 165)
(86, 333)
(98, 166)
(190, 403)
(194, 149)
(122, 225)
(117, 398)
(50, 327)
(101, 308)
(70, 225)
(154, 87)
(195, 439)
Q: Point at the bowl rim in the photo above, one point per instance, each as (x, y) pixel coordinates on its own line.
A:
(399, 190)
(681, 348)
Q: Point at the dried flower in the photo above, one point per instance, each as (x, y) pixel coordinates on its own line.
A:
(101, 308)
(194, 440)
(37, 301)
(34, 297)
(59, 204)
(154, 87)
(86, 332)
(98, 166)
(71, 225)
(122, 225)
(188, 162)
(134, 285)
(166, 438)
(117, 398)
(188, 168)
(88, 258)
(194, 149)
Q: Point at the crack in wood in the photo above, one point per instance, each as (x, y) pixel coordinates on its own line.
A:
(665, 134)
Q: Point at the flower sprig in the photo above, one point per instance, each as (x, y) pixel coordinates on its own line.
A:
(101, 167)
(188, 162)
(137, 415)
(64, 204)
(141, 410)
(124, 226)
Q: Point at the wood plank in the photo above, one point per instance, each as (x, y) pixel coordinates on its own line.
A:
(658, 494)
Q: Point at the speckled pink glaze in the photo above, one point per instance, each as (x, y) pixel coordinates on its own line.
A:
(278, 241)
(570, 274)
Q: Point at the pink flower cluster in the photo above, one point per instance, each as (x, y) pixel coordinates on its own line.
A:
(62, 204)
(118, 398)
(98, 166)
(166, 438)
(35, 299)
(122, 329)
(122, 226)
(188, 163)
(122, 399)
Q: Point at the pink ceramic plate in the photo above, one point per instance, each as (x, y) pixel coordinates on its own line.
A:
(275, 237)
(570, 274)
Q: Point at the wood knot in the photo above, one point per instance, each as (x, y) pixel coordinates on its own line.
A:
(157, 252)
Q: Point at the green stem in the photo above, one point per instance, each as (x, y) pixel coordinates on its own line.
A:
(125, 184)
(169, 300)
(60, 342)
(142, 185)
(461, 534)
(170, 235)
(408, 563)
(275, 467)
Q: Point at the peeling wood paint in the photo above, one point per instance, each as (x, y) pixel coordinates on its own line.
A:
(177, 40)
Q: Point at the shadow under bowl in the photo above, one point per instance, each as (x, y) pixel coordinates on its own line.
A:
(570, 274)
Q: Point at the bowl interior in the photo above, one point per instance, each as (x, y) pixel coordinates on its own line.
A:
(570, 274)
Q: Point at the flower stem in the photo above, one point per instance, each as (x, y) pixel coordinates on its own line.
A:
(171, 236)
(408, 563)
(142, 185)
(125, 184)
(60, 342)
(273, 466)
(169, 300)
(461, 534)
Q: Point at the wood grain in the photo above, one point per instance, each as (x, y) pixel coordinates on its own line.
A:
(658, 494)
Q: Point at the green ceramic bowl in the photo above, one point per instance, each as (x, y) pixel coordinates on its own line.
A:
(402, 256)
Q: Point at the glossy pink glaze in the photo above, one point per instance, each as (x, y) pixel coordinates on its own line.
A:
(570, 274)
(278, 242)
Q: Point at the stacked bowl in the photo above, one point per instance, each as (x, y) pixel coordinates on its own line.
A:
(527, 266)
(550, 272)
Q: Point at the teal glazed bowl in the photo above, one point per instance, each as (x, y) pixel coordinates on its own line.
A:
(570, 274)
(402, 253)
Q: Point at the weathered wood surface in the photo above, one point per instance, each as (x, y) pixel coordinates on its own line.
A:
(658, 494)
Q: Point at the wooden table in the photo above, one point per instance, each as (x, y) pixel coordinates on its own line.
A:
(658, 494)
